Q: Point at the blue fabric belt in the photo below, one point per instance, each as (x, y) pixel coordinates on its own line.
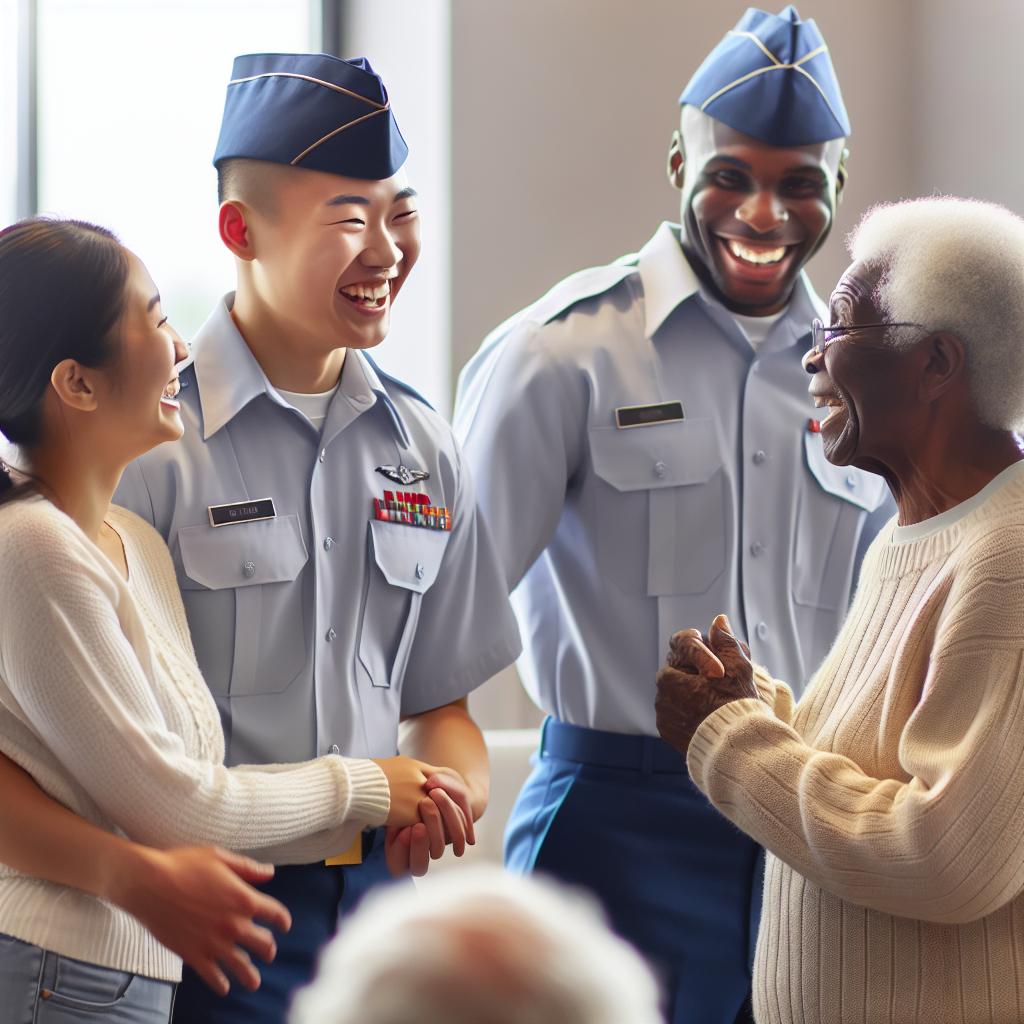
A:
(609, 749)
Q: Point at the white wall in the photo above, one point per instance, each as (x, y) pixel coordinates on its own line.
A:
(968, 95)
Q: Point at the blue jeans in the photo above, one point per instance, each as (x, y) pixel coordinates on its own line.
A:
(40, 987)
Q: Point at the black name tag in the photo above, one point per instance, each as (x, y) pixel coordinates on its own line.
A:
(242, 512)
(648, 415)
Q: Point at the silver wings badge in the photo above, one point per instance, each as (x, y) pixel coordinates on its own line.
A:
(403, 474)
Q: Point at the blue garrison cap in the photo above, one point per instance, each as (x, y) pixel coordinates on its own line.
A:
(311, 110)
(771, 77)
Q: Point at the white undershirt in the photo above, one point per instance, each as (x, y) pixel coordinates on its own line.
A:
(313, 407)
(756, 328)
(925, 528)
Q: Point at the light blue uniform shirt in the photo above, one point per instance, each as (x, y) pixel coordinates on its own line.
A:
(319, 628)
(615, 538)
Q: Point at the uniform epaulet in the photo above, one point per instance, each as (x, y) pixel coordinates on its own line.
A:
(398, 382)
(584, 284)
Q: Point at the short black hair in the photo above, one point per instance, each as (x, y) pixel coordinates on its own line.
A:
(248, 181)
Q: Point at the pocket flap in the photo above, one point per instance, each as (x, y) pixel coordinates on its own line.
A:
(408, 556)
(242, 555)
(854, 485)
(664, 455)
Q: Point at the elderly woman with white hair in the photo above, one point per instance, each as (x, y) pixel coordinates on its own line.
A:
(891, 797)
(479, 947)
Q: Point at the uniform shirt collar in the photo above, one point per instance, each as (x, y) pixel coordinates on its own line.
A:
(362, 387)
(227, 373)
(668, 280)
(229, 377)
(666, 275)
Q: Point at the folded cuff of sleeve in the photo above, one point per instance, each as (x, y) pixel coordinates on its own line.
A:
(369, 797)
(714, 732)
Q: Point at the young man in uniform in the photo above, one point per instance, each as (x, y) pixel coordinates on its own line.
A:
(645, 456)
(335, 572)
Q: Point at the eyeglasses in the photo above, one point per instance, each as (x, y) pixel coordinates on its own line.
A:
(823, 335)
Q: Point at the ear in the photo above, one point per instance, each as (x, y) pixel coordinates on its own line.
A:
(74, 386)
(842, 175)
(945, 365)
(234, 230)
(676, 160)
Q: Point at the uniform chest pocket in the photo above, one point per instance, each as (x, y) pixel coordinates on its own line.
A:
(833, 503)
(659, 506)
(404, 563)
(244, 602)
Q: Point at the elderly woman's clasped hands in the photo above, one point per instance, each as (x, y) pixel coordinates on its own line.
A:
(700, 675)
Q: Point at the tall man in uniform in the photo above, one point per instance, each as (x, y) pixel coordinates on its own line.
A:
(335, 573)
(645, 456)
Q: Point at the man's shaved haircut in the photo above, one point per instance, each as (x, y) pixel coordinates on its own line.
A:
(252, 182)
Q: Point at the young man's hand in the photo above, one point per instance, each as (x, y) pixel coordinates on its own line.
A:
(410, 781)
(446, 818)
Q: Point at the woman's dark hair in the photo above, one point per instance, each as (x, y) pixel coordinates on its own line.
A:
(62, 292)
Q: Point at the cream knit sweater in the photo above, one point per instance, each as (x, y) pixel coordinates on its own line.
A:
(102, 702)
(891, 798)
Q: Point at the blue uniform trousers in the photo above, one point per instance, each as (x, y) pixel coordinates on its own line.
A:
(619, 816)
(317, 896)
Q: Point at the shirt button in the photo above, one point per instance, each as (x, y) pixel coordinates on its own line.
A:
(328, 543)
(419, 571)
(335, 749)
(851, 481)
(757, 548)
(759, 457)
(323, 454)
(331, 634)
(248, 570)
(660, 468)
(762, 631)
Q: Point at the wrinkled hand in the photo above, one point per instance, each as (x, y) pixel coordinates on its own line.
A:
(446, 818)
(701, 674)
(197, 902)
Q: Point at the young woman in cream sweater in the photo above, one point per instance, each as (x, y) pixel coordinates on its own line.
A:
(101, 700)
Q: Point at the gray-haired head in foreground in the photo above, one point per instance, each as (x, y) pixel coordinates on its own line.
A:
(478, 946)
(955, 265)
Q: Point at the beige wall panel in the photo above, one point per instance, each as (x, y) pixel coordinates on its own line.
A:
(562, 112)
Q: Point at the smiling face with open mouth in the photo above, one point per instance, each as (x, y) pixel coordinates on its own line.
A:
(137, 393)
(330, 253)
(753, 214)
(867, 384)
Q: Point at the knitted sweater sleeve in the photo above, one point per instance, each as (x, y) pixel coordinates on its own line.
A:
(775, 693)
(945, 844)
(70, 674)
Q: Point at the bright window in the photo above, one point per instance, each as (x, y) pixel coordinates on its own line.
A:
(130, 98)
